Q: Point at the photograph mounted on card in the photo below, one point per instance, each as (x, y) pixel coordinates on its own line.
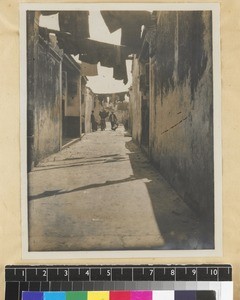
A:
(120, 130)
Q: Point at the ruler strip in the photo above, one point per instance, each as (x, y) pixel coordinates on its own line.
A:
(118, 273)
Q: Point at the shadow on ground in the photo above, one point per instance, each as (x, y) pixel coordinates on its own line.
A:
(177, 224)
(94, 161)
(82, 188)
(180, 227)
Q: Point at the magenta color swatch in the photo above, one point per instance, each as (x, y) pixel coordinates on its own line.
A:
(141, 295)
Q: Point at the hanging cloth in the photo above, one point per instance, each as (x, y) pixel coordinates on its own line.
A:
(131, 36)
(120, 72)
(89, 69)
(112, 19)
(67, 43)
(75, 22)
(48, 12)
(130, 22)
(107, 54)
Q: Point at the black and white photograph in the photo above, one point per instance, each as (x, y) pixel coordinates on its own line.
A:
(120, 129)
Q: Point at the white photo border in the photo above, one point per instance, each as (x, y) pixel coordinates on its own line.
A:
(215, 9)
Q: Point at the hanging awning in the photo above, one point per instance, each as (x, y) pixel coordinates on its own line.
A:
(110, 56)
(130, 22)
(73, 38)
(117, 19)
(49, 12)
(89, 69)
(94, 52)
(74, 22)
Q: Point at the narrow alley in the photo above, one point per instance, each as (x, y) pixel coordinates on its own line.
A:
(101, 193)
(147, 182)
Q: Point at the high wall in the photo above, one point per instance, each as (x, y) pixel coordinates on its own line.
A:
(122, 112)
(181, 106)
(135, 103)
(32, 40)
(47, 102)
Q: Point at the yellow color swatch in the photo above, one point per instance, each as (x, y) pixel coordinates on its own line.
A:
(93, 295)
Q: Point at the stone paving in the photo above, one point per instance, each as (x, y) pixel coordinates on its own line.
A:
(101, 193)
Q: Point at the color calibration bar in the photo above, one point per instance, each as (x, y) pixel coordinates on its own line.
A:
(66, 278)
(121, 295)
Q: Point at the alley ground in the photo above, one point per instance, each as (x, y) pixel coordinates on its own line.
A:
(101, 193)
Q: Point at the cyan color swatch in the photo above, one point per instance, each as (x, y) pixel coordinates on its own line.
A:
(54, 296)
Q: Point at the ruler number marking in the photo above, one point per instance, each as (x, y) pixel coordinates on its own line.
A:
(214, 272)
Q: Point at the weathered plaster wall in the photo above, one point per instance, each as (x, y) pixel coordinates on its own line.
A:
(122, 112)
(47, 110)
(181, 106)
(32, 40)
(89, 106)
(135, 103)
(73, 99)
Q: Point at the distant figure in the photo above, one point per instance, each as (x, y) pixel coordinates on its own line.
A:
(93, 121)
(125, 124)
(113, 120)
(103, 115)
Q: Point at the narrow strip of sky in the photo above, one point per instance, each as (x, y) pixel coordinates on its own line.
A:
(104, 82)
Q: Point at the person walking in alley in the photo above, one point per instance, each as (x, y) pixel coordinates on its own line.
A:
(103, 115)
(93, 121)
(113, 120)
